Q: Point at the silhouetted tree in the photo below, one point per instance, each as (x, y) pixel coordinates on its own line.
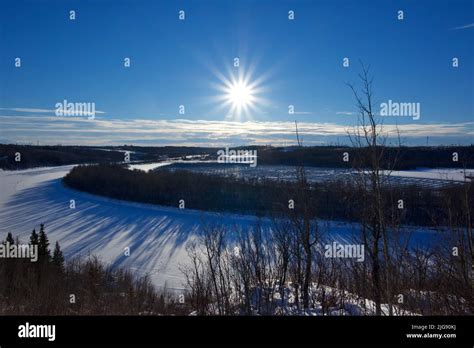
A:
(10, 240)
(34, 240)
(43, 245)
(58, 258)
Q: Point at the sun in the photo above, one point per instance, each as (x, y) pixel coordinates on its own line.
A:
(240, 95)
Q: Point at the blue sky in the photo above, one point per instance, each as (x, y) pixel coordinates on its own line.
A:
(177, 62)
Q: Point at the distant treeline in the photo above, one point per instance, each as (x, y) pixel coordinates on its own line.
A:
(314, 156)
(14, 157)
(169, 151)
(337, 200)
(57, 155)
(394, 158)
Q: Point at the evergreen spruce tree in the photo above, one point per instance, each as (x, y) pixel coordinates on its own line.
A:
(34, 238)
(10, 239)
(43, 245)
(58, 258)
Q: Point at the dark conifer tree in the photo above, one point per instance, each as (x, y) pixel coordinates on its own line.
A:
(10, 240)
(43, 245)
(34, 240)
(58, 258)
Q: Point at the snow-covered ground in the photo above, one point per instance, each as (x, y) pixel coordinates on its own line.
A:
(148, 166)
(425, 177)
(448, 174)
(155, 165)
(157, 236)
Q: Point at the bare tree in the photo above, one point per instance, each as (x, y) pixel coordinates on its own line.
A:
(370, 142)
(304, 222)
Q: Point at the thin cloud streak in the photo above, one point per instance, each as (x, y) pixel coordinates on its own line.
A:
(467, 26)
(33, 110)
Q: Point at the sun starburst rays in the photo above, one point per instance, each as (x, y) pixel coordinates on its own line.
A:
(239, 95)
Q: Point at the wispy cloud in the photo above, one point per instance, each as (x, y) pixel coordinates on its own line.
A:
(27, 110)
(36, 111)
(347, 113)
(467, 26)
(81, 131)
(303, 113)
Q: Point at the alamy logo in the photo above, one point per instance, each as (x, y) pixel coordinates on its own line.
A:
(237, 156)
(392, 108)
(13, 251)
(66, 108)
(37, 331)
(337, 250)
